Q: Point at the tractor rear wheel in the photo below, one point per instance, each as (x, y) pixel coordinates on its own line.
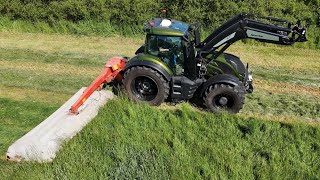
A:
(145, 84)
(222, 97)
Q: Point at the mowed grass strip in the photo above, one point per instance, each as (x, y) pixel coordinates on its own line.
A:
(33, 95)
(303, 107)
(282, 87)
(51, 69)
(38, 56)
(262, 56)
(136, 141)
(44, 82)
(55, 43)
(280, 118)
(279, 57)
(306, 78)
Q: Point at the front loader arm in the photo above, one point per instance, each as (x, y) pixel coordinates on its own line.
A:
(246, 26)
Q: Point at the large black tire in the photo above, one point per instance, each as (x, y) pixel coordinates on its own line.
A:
(145, 84)
(221, 97)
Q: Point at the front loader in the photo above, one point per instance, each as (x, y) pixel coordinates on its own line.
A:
(174, 65)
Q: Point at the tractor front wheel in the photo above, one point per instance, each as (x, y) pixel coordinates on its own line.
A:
(145, 84)
(222, 97)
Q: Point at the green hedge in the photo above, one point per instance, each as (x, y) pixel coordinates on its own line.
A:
(129, 15)
(132, 12)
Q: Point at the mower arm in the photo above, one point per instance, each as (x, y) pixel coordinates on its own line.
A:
(247, 26)
(110, 72)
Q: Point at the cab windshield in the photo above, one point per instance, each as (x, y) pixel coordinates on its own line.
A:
(168, 48)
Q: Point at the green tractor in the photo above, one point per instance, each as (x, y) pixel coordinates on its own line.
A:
(175, 65)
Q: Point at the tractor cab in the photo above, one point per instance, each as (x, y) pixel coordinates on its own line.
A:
(171, 41)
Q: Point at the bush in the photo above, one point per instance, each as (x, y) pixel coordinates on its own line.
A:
(129, 15)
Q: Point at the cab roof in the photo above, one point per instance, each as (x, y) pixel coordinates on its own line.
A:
(161, 26)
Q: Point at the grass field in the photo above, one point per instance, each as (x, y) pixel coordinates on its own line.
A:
(276, 135)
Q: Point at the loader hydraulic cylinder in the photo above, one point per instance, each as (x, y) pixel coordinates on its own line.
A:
(110, 72)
